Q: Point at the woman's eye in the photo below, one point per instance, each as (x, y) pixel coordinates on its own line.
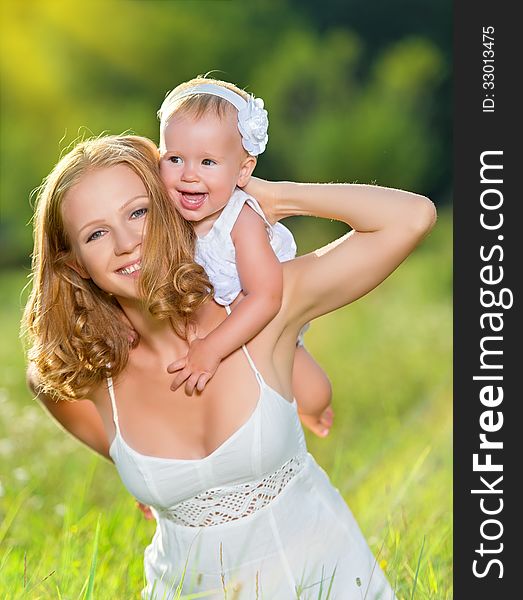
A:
(208, 162)
(139, 212)
(175, 160)
(95, 236)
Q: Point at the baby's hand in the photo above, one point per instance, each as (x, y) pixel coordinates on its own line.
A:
(320, 425)
(196, 368)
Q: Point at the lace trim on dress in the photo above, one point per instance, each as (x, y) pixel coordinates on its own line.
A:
(224, 504)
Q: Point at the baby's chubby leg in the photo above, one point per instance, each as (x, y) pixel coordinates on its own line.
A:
(313, 393)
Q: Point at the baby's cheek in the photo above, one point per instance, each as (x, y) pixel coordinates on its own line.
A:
(164, 173)
(168, 182)
(173, 195)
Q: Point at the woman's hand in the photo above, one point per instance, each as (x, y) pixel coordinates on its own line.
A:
(319, 425)
(146, 510)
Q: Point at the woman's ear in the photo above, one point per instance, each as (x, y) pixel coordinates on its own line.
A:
(76, 267)
(246, 169)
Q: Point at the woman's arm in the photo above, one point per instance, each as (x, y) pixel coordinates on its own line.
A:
(387, 225)
(79, 418)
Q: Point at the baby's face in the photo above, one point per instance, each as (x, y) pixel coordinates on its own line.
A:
(202, 161)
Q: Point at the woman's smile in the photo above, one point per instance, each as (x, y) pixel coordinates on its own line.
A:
(132, 269)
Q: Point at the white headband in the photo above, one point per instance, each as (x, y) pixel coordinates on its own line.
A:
(253, 121)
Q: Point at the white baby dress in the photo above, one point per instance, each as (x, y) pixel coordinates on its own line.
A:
(215, 251)
(216, 254)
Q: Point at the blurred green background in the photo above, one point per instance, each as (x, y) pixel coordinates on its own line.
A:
(356, 91)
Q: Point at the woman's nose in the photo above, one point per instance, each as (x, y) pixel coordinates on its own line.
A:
(126, 242)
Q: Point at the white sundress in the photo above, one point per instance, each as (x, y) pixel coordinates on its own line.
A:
(257, 519)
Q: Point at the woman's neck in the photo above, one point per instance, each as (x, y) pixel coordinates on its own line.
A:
(157, 336)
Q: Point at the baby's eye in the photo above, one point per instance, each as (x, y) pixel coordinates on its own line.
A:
(95, 235)
(208, 162)
(175, 160)
(139, 212)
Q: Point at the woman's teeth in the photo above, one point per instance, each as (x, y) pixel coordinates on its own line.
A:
(131, 269)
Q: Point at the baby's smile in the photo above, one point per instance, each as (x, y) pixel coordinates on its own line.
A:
(192, 200)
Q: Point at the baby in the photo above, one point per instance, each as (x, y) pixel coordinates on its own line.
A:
(210, 135)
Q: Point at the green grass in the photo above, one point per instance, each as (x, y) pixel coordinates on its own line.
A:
(389, 452)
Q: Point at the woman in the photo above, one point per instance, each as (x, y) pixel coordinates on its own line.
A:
(240, 504)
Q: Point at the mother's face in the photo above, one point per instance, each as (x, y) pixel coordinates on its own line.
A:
(104, 217)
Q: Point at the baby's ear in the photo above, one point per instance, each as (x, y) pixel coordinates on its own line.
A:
(246, 169)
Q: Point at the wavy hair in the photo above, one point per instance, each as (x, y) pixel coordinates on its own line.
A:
(76, 333)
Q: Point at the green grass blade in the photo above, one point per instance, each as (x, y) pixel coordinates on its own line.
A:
(13, 511)
(330, 584)
(417, 570)
(320, 592)
(90, 584)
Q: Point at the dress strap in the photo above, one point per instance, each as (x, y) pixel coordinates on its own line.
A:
(246, 352)
(231, 212)
(253, 203)
(110, 388)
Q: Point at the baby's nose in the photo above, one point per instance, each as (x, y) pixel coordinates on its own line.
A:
(189, 172)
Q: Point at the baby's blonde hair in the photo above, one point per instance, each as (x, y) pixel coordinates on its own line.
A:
(77, 333)
(197, 105)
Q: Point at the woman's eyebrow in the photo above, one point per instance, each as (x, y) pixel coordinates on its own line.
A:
(127, 202)
(90, 224)
(121, 209)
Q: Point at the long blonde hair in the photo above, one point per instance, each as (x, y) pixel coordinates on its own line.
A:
(77, 334)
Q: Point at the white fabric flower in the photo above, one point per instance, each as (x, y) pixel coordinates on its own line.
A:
(253, 123)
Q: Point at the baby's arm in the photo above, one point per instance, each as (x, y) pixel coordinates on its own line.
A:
(261, 278)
